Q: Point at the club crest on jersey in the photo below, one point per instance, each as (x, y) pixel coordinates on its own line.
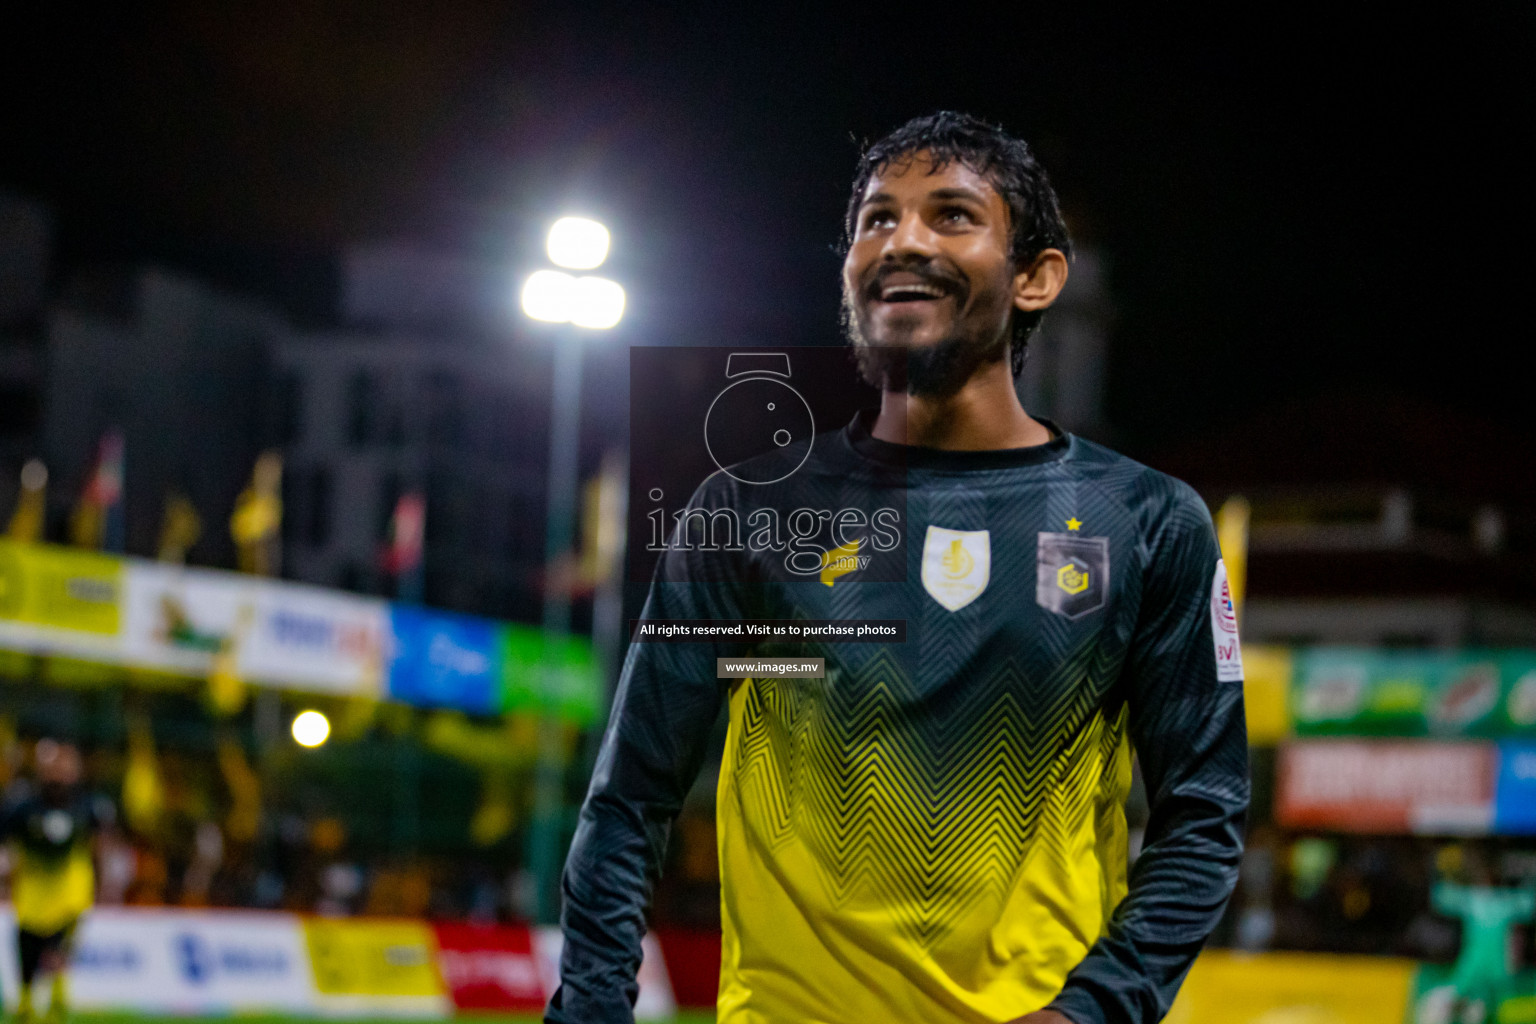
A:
(1071, 573)
(957, 565)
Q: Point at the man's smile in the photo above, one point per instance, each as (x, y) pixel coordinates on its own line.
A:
(910, 287)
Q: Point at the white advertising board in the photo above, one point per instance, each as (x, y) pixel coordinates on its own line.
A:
(315, 639)
(181, 962)
(281, 634)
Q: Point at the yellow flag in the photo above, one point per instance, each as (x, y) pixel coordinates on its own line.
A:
(1232, 534)
(32, 506)
(244, 786)
(495, 816)
(179, 529)
(258, 516)
(226, 690)
(143, 794)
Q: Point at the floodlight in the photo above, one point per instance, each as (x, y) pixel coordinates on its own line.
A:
(597, 302)
(547, 295)
(577, 243)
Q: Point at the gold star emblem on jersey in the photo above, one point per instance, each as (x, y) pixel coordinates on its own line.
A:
(1074, 524)
(1072, 579)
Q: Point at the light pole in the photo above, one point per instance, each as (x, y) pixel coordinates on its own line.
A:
(593, 303)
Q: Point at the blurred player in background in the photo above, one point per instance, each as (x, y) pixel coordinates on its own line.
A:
(52, 829)
(935, 829)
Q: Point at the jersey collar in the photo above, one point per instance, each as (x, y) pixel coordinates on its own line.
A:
(917, 457)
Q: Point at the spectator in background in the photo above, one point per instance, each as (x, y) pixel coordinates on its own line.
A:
(53, 831)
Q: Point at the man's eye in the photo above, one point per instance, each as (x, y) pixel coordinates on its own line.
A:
(956, 215)
(878, 219)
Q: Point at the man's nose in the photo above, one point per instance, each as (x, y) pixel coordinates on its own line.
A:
(912, 237)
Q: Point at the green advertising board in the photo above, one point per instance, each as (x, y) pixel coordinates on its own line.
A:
(1368, 692)
(570, 687)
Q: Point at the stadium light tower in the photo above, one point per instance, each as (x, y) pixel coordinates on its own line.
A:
(592, 303)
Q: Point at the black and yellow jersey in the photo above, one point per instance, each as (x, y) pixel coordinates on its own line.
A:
(934, 830)
(53, 880)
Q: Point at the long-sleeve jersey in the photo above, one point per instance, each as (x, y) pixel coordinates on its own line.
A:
(934, 830)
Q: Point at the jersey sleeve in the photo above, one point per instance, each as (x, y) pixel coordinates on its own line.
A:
(1189, 733)
(664, 710)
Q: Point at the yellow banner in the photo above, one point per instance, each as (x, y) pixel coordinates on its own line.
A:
(1297, 988)
(360, 957)
(1266, 693)
(60, 587)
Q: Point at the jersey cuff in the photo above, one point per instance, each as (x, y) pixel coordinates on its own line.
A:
(1078, 1006)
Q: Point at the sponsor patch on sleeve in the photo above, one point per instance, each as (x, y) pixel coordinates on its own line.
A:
(1229, 654)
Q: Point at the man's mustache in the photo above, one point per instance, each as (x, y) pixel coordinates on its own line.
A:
(926, 271)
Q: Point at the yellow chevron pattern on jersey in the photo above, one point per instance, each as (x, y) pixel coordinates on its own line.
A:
(855, 831)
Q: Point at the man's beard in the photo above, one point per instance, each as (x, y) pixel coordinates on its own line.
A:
(939, 370)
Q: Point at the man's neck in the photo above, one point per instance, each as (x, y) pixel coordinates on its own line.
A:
(983, 415)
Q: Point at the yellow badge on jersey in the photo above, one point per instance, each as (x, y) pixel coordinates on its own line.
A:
(842, 560)
(957, 565)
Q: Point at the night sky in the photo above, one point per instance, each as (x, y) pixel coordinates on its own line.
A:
(1300, 213)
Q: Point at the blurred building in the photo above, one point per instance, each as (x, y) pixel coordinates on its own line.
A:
(1379, 520)
(435, 384)
(1063, 378)
(364, 418)
(26, 243)
(181, 370)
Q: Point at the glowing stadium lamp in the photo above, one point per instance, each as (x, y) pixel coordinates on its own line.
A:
(558, 298)
(596, 302)
(310, 729)
(577, 243)
(548, 295)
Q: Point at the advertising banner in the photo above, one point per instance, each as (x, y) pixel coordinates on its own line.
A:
(282, 634)
(184, 962)
(693, 965)
(1387, 787)
(1266, 693)
(376, 966)
(59, 600)
(1514, 811)
(571, 687)
(323, 641)
(442, 660)
(655, 1001)
(1361, 691)
(1267, 988)
(490, 967)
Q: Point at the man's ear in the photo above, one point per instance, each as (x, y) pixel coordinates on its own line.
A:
(1037, 285)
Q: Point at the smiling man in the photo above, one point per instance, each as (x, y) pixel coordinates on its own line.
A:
(934, 829)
